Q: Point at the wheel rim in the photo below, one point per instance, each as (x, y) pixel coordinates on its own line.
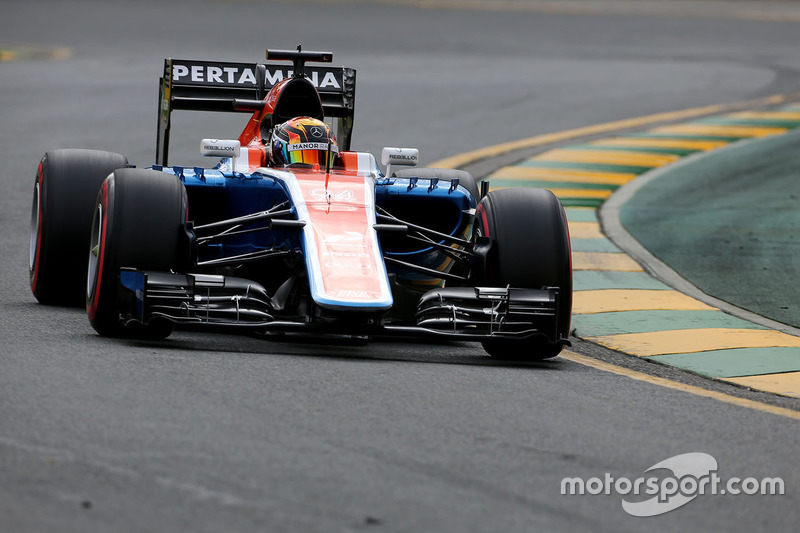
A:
(34, 227)
(94, 250)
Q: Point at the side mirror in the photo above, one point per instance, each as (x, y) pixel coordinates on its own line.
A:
(408, 157)
(220, 148)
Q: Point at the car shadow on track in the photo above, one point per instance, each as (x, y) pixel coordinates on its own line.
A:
(341, 348)
(63, 321)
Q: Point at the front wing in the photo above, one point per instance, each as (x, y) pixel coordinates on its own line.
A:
(201, 301)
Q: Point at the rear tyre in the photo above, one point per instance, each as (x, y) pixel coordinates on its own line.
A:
(465, 179)
(530, 249)
(64, 192)
(138, 219)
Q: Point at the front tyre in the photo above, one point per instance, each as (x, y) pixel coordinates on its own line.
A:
(138, 219)
(64, 192)
(529, 249)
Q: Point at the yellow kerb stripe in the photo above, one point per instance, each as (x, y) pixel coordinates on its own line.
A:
(560, 174)
(695, 340)
(581, 193)
(612, 300)
(609, 157)
(767, 115)
(786, 383)
(719, 130)
(585, 230)
(608, 261)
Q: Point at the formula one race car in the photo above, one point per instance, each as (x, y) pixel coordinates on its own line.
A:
(292, 232)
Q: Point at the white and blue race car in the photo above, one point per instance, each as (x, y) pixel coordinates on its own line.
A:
(291, 231)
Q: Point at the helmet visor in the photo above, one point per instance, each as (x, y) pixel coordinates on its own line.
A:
(310, 153)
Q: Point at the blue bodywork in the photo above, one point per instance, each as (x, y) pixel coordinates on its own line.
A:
(220, 194)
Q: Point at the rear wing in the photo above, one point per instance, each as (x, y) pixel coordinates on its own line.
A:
(241, 87)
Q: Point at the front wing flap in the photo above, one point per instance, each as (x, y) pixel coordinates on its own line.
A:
(491, 312)
(193, 299)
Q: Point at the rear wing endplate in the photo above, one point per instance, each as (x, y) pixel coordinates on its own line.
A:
(241, 87)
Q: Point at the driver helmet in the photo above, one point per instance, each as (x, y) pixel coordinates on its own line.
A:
(302, 140)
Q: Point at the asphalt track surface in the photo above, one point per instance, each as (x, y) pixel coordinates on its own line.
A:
(210, 433)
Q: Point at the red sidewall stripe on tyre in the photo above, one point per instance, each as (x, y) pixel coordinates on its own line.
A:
(94, 297)
(481, 212)
(39, 229)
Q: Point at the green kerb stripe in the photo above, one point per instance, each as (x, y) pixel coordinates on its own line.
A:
(582, 202)
(581, 215)
(593, 245)
(586, 280)
(735, 362)
(600, 324)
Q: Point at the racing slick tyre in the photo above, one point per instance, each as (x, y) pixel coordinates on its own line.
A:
(66, 187)
(530, 249)
(465, 179)
(138, 219)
